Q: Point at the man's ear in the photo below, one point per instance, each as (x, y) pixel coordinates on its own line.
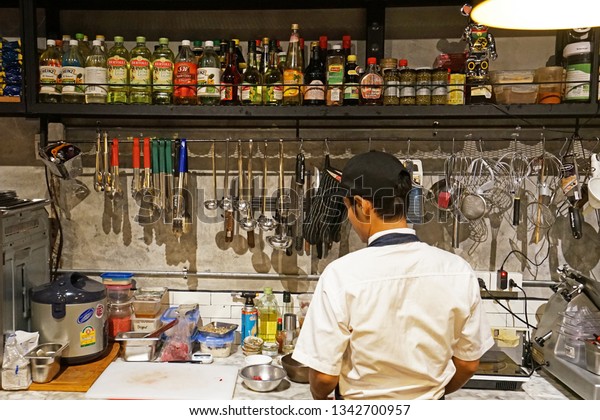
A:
(365, 206)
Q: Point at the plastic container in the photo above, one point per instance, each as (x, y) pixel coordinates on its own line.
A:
(514, 87)
(216, 346)
(551, 82)
(192, 314)
(578, 63)
(145, 324)
(118, 293)
(161, 292)
(571, 348)
(146, 306)
(116, 277)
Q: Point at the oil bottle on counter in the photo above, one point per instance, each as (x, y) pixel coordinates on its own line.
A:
(268, 312)
(249, 316)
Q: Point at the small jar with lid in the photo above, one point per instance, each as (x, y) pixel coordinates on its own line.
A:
(391, 81)
(270, 348)
(423, 86)
(578, 64)
(408, 79)
(119, 318)
(439, 86)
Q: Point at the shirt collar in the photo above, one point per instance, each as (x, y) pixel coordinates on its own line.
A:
(388, 231)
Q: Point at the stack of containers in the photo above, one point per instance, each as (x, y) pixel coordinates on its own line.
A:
(118, 289)
(148, 305)
(573, 330)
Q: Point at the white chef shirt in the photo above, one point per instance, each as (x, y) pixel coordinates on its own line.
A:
(388, 320)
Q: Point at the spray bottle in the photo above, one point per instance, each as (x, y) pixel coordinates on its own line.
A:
(249, 316)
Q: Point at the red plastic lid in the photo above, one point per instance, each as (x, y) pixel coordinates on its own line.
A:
(323, 42)
(346, 41)
(403, 63)
(371, 60)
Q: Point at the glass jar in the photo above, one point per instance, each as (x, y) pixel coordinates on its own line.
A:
(270, 349)
(119, 318)
(439, 86)
(391, 81)
(408, 78)
(423, 86)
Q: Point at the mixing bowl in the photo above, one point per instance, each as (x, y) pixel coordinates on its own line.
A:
(262, 378)
(296, 371)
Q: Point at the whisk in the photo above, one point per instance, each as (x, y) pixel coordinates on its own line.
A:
(519, 168)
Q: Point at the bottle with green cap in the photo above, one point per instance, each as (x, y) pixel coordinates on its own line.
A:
(162, 73)
(140, 66)
(84, 47)
(268, 312)
(117, 65)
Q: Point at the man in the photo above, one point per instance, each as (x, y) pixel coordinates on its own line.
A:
(399, 319)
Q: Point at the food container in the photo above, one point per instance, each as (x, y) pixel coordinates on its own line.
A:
(592, 356)
(217, 329)
(296, 371)
(217, 346)
(145, 324)
(192, 315)
(258, 359)
(146, 306)
(514, 87)
(262, 378)
(161, 292)
(136, 348)
(45, 361)
(571, 348)
(551, 82)
(118, 293)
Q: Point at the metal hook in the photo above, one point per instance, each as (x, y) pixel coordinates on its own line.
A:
(369, 145)
(326, 145)
(408, 147)
(480, 146)
(301, 146)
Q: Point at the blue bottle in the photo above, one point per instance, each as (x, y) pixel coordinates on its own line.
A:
(249, 316)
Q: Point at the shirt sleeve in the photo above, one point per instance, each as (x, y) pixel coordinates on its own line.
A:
(324, 335)
(476, 335)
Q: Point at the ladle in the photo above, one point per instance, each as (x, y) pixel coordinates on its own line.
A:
(212, 203)
(242, 204)
(265, 223)
(281, 241)
(226, 203)
(248, 223)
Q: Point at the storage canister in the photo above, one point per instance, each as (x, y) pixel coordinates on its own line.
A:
(578, 63)
(439, 86)
(391, 80)
(423, 85)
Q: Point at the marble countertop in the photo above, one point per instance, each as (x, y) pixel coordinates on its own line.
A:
(540, 386)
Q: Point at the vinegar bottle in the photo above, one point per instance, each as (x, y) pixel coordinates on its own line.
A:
(231, 80)
(185, 75)
(96, 75)
(50, 69)
(293, 78)
(73, 75)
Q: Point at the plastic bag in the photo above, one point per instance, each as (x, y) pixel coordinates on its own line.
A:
(178, 345)
(15, 368)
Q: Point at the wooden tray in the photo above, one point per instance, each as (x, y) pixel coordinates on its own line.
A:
(10, 99)
(78, 378)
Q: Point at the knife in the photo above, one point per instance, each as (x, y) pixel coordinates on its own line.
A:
(300, 182)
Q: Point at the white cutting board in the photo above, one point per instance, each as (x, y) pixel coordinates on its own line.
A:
(164, 381)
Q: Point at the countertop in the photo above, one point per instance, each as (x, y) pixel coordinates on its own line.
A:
(540, 386)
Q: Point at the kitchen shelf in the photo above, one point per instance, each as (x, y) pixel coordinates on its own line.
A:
(12, 108)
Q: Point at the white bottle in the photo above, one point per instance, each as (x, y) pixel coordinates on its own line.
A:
(96, 75)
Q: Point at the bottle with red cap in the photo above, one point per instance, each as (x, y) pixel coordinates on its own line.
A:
(371, 84)
(347, 45)
(323, 48)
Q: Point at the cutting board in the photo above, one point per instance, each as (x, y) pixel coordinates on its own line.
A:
(78, 378)
(164, 381)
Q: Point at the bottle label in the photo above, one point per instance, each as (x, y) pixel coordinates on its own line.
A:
(162, 78)
(140, 71)
(407, 91)
(315, 91)
(209, 79)
(117, 70)
(96, 78)
(226, 92)
(351, 91)
(49, 79)
(371, 86)
(293, 78)
(574, 89)
(335, 74)
(252, 94)
(274, 93)
(72, 80)
(391, 88)
(184, 79)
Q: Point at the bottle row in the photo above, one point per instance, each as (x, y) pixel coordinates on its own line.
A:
(267, 77)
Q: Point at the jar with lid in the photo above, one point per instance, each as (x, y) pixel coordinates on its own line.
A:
(578, 63)
(119, 318)
(423, 86)
(408, 79)
(439, 86)
(391, 81)
(270, 349)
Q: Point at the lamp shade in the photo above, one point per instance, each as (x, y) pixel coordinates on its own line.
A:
(537, 14)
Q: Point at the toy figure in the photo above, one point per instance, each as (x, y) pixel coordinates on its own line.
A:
(482, 47)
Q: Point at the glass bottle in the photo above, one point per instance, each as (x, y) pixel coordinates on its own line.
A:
(140, 66)
(335, 76)
(118, 73)
(96, 75)
(323, 49)
(197, 50)
(50, 72)
(268, 313)
(119, 318)
(231, 80)
(293, 79)
(273, 80)
(222, 51)
(371, 84)
(408, 80)
(72, 75)
(239, 56)
(288, 305)
(281, 57)
(209, 76)
(252, 79)
(314, 77)
(391, 81)
(162, 73)
(185, 76)
(264, 61)
(280, 337)
(347, 45)
(84, 48)
(351, 82)
(102, 40)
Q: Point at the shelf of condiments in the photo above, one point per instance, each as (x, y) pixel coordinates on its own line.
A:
(216, 73)
(11, 70)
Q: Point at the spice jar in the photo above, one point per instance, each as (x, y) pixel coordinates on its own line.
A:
(423, 86)
(408, 78)
(391, 81)
(119, 318)
(270, 349)
(439, 86)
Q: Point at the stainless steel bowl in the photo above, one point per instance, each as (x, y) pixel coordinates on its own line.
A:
(262, 378)
(296, 371)
(136, 347)
(45, 361)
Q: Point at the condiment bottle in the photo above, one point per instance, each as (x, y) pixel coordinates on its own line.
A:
(119, 318)
(293, 76)
(335, 70)
(371, 84)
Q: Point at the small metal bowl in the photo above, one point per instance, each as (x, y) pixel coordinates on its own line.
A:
(296, 371)
(45, 361)
(262, 378)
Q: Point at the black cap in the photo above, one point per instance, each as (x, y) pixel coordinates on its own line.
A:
(373, 175)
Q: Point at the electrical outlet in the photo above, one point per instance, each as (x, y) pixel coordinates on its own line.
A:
(517, 278)
(502, 280)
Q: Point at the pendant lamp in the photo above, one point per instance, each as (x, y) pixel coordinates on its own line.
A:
(537, 14)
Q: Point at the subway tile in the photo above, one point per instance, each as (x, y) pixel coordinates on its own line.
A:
(497, 320)
(225, 299)
(201, 298)
(215, 311)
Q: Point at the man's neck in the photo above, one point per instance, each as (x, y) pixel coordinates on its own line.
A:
(379, 225)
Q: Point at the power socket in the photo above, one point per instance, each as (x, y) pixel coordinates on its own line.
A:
(501, 280)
